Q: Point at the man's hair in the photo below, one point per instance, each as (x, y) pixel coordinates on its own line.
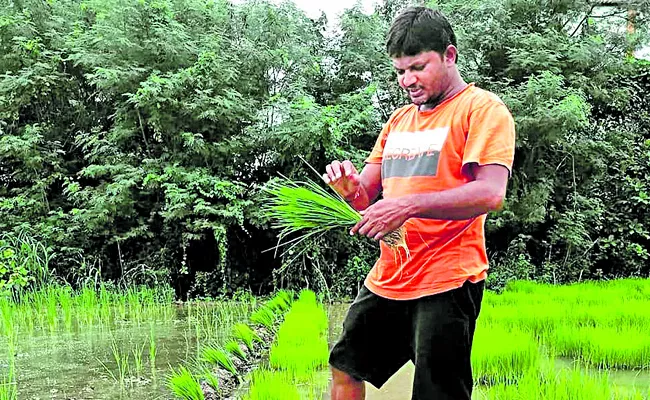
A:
(418, 29)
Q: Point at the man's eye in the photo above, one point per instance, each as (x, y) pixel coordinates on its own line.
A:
(400, 72)
(418, 67)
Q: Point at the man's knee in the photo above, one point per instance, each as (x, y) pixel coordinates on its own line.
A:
(346, 387)
(343, 378)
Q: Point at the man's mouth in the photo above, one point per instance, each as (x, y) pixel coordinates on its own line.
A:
(416, 92)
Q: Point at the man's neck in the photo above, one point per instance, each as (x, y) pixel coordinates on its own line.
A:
(453, 90)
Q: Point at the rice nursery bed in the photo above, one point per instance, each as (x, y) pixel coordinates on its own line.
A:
(583, 341)
(534, 341)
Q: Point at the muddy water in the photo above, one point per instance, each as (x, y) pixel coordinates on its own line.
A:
(75, 365)
(399, 386)
(69, 366)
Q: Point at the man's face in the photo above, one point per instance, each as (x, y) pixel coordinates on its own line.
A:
(424, 76)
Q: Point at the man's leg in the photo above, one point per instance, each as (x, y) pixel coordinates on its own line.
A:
(345, 387)
(375, 343)
(442, 340)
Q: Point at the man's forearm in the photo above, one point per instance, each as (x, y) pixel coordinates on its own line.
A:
(465, 202)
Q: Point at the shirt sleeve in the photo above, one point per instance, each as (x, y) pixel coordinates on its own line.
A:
(491, 137)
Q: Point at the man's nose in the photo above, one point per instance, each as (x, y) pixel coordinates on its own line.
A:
(409, 79)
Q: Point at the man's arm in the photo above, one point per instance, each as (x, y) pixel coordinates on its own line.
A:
(480, 196)
(483, 194)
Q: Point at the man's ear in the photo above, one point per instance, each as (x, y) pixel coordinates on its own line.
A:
(450, 54)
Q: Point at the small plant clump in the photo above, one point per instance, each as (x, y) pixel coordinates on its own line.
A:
(244, 333)
(184, 385)
(8, 387)
(281, 302)
(233, 348)
(265, 316)
(219, 357)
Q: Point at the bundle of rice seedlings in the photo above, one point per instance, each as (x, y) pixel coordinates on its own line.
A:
(244, 333)
(233, 348)
(265, 316)
(219, 357)
(306, 207)
(184, 385)
(210, 378)
(272, 385)
(278, 304)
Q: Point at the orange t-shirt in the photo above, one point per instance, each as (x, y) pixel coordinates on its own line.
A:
(426, 151)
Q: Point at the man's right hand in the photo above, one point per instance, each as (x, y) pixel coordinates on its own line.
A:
(344, 178)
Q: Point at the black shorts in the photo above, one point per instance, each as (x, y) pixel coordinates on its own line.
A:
(435, 332)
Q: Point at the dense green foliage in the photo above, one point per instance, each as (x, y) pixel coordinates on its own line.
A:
(135, 136)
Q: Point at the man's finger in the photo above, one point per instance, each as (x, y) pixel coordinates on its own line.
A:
(348, 168)
(359, 225)
(330, 172)
(326, 178)
(366, 227)
(373, 232)
(337, 169)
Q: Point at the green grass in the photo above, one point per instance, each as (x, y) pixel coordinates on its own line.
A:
(550, 385)
(56, 307)
(138, 361)
(153, 349)
(122, 364)
(8, 387)
(604, 347)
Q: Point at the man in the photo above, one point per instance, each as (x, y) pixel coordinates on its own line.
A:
(442, 164)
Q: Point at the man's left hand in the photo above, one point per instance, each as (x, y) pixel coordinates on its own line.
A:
(381, 218)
